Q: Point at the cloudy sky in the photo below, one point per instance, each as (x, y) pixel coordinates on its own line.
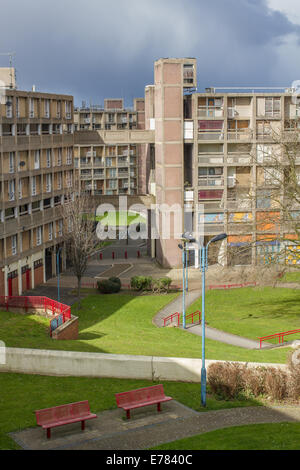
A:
(94, 49)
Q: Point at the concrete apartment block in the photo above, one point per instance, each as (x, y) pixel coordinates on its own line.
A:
(36, 171)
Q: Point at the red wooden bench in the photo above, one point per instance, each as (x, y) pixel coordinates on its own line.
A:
(142, 397)
(64, 414)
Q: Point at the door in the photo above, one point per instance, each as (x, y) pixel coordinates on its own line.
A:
(10, 287)
(28, 283)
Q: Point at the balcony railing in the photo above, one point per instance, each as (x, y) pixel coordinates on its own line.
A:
(210, 181)
(210, 134)
(211, 111)
(240, 134)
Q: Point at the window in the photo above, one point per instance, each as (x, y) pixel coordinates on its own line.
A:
(69, 178)
(11, 162)
(31, 108)
(11, 190)
(39, 236)
(47, 109)
(48, 158)
(20, 188)
(18, 106)
(37, 154)
(58, 110)
(69, 156)
(50, 231)
(33, 186)
(59, 180)
(14, 245)
(272, 107)
(48, 183)
(68, 109)
(60, 228)
(9, 103)
(59, 157)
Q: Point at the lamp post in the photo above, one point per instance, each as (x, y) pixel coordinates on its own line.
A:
(186, 238)
(203, 267)
(57, 270)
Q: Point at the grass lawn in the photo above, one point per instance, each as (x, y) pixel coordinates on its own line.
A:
(114, 219)
(283, 436)
(253, 312)
(122, 324)
(22, 394)
(291, 277)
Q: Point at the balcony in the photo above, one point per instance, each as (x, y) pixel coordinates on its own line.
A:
(210, 181)
(207, 134)
(86, 176)
(239, 134)
(211, 111)
(212, 159)
(239, 159)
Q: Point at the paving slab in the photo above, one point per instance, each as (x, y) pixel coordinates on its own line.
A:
(147, 428)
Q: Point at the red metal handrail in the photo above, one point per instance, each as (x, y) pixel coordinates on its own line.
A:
(178, 315)
(191, 315)
(35, 302)
(280, 336)
(170, 317)
(232, 286)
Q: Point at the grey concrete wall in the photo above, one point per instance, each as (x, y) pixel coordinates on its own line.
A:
(79, 364)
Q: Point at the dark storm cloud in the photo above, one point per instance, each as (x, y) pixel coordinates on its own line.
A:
(97, 49)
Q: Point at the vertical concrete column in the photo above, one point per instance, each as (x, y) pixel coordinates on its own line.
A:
(19, 278)
(5, 280)
(169, 153)
(31, 264)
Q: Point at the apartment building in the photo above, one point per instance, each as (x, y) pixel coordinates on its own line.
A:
(37, 169)
(109, 148)
(211, 149)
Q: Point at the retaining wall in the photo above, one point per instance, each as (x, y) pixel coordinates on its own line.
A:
(79, 364)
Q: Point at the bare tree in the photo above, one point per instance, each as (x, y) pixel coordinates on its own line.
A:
(274, 192)
(79, 233)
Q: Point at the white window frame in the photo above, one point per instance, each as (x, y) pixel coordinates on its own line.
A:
(11, 162)
(11, 190)
(33, 186)
(48, 158)
(37, 159)
(38, 236)
(14, 245)
(50, 231)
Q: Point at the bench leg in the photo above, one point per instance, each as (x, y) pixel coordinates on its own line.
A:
(128, 414)
(82, 425)
(48, 433)
(158, 407)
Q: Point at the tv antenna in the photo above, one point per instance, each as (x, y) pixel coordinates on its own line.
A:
(11, 56)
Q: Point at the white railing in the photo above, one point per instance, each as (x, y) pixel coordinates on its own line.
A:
(210, 111)
(210, 181)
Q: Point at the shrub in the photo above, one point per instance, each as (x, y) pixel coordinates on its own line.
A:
(110, 286)
(141, 283)
(276, 383)
(226, 380)
(294, 377)
(254, 381)
(161, 285)
(116, 280)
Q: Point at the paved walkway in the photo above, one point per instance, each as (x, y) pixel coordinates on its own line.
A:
(147, 428)
(211, 333)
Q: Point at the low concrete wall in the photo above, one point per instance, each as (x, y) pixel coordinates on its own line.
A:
(79, 364)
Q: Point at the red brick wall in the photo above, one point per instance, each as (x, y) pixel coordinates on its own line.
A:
(67, 331)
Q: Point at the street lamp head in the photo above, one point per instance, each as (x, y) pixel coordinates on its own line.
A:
(188, 237)
(222, 236)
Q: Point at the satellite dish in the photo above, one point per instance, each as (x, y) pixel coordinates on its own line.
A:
(22, 163)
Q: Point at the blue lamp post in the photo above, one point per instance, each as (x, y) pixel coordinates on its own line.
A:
(186, 238)
(203, 267)
(57, 270)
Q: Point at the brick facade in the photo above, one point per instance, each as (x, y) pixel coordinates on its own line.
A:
(67, 331)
